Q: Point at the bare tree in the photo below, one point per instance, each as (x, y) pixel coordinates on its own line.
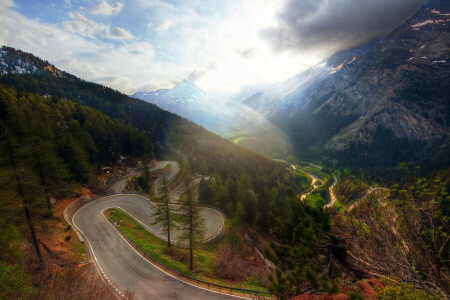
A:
(405, 235)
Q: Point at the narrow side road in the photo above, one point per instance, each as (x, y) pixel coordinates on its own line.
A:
(314, 183)
(368, 192)
(332, 195)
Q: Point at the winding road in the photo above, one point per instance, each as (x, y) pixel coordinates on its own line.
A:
(332, 195)
(366, 194)
(124, 268)
(315, 183)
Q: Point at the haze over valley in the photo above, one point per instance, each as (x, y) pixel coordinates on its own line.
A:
(219, 149)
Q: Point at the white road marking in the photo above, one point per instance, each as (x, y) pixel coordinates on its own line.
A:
(179, 279)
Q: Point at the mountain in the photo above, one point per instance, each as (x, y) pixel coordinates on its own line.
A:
(190, 102)
(184, 93)
(374, 106)
(16, 62)
(169, 134)
(58, 132)
(225, 117)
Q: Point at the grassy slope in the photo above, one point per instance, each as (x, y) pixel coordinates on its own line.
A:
(178, 259)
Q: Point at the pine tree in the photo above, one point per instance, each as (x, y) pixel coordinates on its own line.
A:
(162, 213)
(194, 229)
(246, 196)
(205, 194)
(10, 148)
(146, 174)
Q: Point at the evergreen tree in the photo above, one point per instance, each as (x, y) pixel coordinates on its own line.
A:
(205, 194)
(162, 213)
(194, 229)
(246, 196)
(147, 174)
(239, 214)
(300, 231)
(262, 216)
(23, 185)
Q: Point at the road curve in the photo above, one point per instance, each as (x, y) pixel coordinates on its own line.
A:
(332, 195)
(315, 179)
(118, 186)
(120, 263)
(366, 194)
(170, 175)
(125, 269)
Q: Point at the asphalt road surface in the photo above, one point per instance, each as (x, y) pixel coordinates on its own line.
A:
(120, 265)
(170, 175)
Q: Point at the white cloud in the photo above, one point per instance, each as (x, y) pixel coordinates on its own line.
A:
(124, 67)
(195, 75)
(166, 24)
(230, 40)
(104, 8)
(6, 3)
(223, 46)
(87, 27)
(138, 49)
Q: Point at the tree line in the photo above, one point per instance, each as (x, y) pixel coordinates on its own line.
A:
(48, 146)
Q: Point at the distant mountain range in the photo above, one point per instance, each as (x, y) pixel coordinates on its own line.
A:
(25, 76)
(230, 119)
(369, 108)
(374, 106)
(190, 102)
(184, 93)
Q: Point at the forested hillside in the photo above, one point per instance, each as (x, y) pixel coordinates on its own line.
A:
(58, 132)
(168, 133)
(237, 182)
(48, 148)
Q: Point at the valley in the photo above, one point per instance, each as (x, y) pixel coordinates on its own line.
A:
(170, 158)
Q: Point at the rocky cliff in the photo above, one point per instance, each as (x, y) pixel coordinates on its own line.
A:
(375, 106)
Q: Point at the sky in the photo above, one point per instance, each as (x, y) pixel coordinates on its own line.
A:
(223, 46)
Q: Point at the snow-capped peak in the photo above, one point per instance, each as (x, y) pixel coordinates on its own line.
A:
(185, 82)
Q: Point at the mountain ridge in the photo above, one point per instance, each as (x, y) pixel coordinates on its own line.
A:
(184, 99)
(169, 134)
(377, 105)
(224, 117)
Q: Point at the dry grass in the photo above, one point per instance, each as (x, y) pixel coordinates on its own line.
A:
(57, 240)
(64, 275)
(72, 283)
(178, 254)
(223, 268)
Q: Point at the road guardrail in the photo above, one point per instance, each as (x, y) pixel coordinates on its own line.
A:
(198, 282)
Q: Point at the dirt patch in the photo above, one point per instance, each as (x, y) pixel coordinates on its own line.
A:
(363, 289)
(178, 254)
(57, 241)
(62, 203)
(223, 268)
(71, 283)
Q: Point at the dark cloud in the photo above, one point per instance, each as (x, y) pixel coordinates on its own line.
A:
(248, 53)
(329, 26)
(196, 75)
